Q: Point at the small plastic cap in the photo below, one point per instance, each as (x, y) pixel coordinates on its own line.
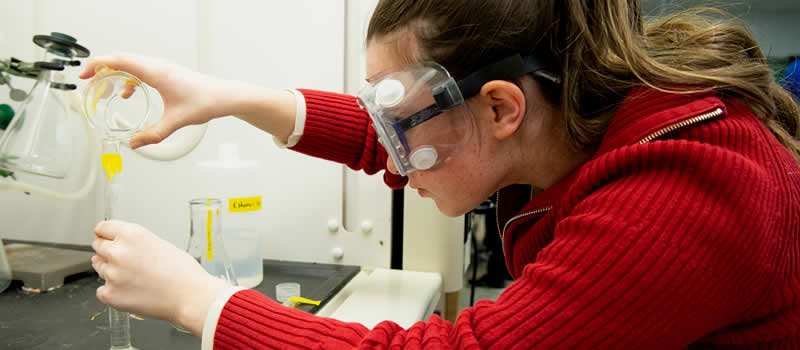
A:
(286, 290)
(423, 157)
(389, 93)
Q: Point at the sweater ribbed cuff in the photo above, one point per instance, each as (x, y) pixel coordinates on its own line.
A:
(212, 318)
(299, 121)
(336, 127)
(251, 320)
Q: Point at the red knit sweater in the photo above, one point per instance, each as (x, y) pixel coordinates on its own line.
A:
(682, 231)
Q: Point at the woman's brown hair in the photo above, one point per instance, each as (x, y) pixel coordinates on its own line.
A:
(601, 49)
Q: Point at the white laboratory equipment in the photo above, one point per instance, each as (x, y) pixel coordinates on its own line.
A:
(38, 149)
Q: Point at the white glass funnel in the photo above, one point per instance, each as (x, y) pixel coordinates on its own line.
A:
(117, 103)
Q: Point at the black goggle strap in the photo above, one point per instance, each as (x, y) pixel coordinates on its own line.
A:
(509, 68)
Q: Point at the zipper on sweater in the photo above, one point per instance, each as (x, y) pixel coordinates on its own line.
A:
(519, 216)
(661, 132)
(703, 117)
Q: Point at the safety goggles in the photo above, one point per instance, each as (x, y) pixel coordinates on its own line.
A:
(398, 102)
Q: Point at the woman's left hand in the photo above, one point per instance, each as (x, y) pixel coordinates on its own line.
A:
(148, 276)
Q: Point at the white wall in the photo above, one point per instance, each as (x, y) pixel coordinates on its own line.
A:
(274, 44)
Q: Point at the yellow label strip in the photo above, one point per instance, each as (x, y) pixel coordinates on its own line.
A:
(210, 249)
(241, 205)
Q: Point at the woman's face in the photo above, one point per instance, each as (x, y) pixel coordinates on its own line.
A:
(464, 178)
(512, 137)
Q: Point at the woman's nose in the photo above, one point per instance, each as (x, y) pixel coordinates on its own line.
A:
(390, 166)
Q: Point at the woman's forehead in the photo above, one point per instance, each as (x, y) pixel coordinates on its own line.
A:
(390, 52)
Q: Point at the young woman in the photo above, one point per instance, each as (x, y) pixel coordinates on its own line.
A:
(647, 178)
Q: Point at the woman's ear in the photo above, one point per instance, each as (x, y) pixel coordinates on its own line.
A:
(507, 104)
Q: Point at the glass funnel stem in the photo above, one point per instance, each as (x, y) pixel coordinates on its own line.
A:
(109, 155)
(118, 321)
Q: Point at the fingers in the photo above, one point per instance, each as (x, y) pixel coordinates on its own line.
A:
(98, 264)
(112, 61)
(108, 229)
(154, 133)
(103, 248)
(133, 64)
(106, 270)
(104, 244)
(102, 294)
(105, 294)
(129, 90)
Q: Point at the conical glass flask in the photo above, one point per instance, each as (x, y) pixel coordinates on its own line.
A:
(38, 138)
(205, 239)
(206, 243)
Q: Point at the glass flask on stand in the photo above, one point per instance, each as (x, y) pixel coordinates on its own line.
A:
(37, 140)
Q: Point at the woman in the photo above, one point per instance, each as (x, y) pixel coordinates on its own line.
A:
(647, 178)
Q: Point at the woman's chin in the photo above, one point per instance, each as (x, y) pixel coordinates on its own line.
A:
(450, 210)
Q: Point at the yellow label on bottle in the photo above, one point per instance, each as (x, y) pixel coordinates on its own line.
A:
(241, 205)
(112, 163)
(210, 249)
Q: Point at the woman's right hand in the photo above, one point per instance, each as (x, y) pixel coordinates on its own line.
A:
(194, 98)
(188, 96)
(147, 275)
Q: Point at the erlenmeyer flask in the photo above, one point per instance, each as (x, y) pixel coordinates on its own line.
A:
(205, 239)
(38, 138)
(206, 244)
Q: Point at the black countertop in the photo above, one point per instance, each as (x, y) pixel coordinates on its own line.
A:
(71, 317)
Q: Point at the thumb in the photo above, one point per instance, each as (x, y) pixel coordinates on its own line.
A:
(108, 229)
(154, 133)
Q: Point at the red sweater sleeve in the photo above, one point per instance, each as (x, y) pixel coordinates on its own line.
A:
(337, 129)
(653, 259)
